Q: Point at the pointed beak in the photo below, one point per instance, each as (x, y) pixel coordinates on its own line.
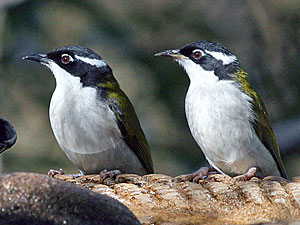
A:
(41, 58)
(171, 53)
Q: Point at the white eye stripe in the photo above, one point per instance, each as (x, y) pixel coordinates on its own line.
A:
(226, 59)
(93, 62)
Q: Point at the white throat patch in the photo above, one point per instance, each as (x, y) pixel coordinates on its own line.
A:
(221, 56)
(93, 62)
(196, 73)
(64, 80)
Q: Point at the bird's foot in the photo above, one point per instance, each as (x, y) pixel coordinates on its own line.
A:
(247, 176)
(198, 175)
(52, 173)
(104, 174)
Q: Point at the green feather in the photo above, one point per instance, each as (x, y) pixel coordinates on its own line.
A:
(127, 121)
(262, 126)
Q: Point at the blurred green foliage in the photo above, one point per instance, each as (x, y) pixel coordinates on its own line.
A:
(263, 34)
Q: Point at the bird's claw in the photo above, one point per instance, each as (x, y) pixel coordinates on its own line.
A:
(195, 177)
(247, 176)
(104, 174)
(52, 173)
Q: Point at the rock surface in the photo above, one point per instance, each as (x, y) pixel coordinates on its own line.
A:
(160, 199)
(29, 199)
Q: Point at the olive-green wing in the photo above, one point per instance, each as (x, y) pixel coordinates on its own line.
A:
(130, 127)
(261, 125)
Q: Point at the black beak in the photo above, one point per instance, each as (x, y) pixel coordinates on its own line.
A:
(41, 58)
(171, 53)
(8, 135)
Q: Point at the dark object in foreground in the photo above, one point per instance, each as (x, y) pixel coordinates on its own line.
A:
(28, 198)
(8, 135)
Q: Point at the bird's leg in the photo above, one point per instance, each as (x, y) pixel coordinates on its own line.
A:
(198, 175)
(247, 176)
(52, 173)
(108, 174)
(76, 175)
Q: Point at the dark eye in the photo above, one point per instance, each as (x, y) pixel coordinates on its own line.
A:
(197, 54)
(65, 59)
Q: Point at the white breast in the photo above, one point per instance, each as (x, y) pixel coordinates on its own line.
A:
(86, 129)
(80, 122)
(219, 116)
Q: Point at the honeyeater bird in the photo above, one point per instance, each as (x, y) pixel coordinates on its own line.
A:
(8, 135)
(226, 116)
(91, 117)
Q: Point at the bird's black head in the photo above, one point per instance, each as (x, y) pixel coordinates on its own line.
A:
(208, 55)
(77, 61)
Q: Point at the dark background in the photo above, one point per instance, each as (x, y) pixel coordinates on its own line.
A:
(263, 34)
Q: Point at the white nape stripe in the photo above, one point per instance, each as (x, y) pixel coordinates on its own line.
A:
(93, 62)
(226, 59)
